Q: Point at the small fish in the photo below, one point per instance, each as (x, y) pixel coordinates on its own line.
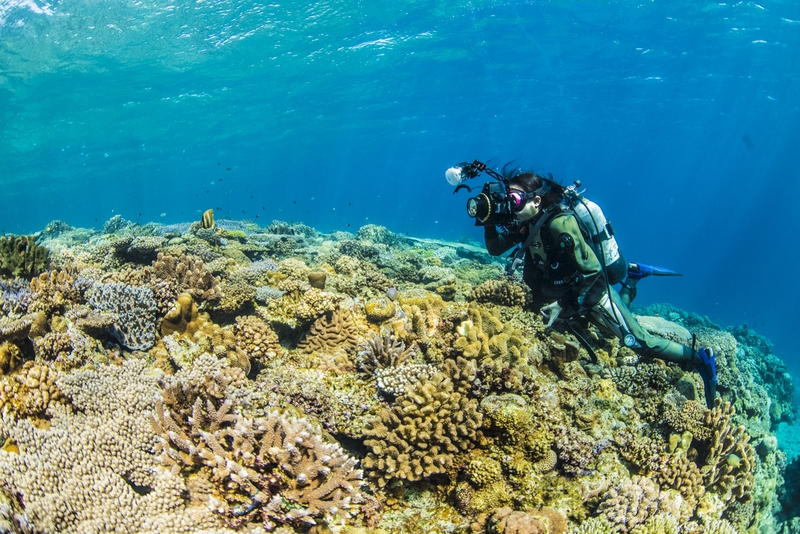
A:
(207, 221)
(748, 142)
(162, 215)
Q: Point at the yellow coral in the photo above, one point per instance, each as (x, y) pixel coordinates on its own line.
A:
(379, 310)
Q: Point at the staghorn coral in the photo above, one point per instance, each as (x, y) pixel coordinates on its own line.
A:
(333, 330)
(500, 292)
(134, 312)
(273, 468)
(20, 256)
(423, 431)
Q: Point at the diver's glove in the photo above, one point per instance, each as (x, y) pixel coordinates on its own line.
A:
(552, 311)
(707, 367)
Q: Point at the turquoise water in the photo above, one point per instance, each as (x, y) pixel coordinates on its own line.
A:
(682, 119)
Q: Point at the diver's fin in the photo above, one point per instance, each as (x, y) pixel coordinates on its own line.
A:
(707, 367)
(640, 270)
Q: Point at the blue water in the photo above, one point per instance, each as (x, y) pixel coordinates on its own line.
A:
(343, 113)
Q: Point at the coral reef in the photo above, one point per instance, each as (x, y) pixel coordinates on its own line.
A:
(175, 378)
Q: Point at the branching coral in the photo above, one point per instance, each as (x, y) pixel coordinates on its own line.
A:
(273, 468)
(187, 276)
(630, 504)
(729, 464)
(92, 469)
(382, 352)
(52, 291)
(30, 391)
(255, 338)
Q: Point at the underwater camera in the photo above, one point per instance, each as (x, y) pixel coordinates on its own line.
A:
(493, 206)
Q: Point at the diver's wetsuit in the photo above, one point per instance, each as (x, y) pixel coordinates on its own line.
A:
(561, 266)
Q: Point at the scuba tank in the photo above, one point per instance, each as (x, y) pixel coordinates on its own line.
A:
(601, 235)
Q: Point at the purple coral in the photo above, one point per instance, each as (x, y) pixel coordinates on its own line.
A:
(14, 296)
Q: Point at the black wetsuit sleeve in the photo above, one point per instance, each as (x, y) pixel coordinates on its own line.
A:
(498, 242)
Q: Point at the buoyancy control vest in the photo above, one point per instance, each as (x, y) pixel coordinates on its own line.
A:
(593, 224)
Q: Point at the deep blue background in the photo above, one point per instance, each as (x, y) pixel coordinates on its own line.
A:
(342, 113)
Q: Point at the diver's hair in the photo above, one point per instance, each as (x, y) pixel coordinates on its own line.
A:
(530, 181)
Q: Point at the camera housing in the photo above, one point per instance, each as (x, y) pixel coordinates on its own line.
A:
(492, 206)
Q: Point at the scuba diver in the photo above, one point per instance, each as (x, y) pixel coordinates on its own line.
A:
(571, 260)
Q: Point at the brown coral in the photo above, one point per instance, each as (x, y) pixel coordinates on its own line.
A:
(187, 275)
(500, 292)
(52, 292)
(631, 503)
(30, 391)
(728, 469)
(256, 338)
(382, 352)
(272, 468)
(333, 330)
(423, 432)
